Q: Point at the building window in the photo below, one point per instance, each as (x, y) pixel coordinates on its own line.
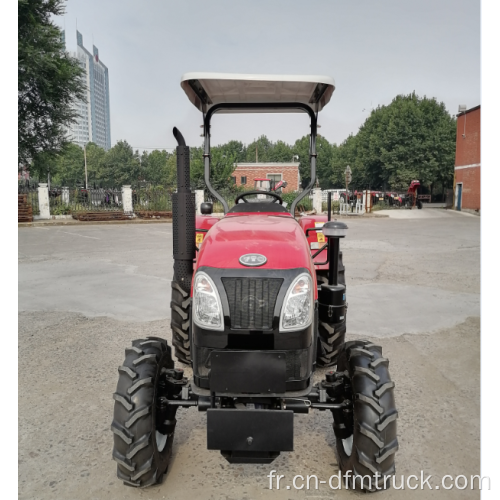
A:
(233, 177)
(274, 177)
(243, 179)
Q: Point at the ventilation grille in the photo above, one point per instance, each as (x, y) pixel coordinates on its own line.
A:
(251, 301)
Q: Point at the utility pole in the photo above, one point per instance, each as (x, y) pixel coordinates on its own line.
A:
(85, 157)
(256, 153)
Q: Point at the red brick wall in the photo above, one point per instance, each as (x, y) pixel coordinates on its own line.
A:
(468, 152)
(290, 174)
(471, 187)
(468, 149)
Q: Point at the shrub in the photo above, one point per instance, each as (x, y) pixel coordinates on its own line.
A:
(60, 209)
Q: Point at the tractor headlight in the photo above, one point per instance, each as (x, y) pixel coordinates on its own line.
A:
(297, 311)
(207, 309)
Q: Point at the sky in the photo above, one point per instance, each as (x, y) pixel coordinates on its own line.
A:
(373, 50)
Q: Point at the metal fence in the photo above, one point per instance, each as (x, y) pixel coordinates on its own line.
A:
(152, 198)
(56, 204)
(84, 200)
(91, 200)
(31, 192)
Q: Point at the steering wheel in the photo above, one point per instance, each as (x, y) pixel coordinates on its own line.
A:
(267, 193)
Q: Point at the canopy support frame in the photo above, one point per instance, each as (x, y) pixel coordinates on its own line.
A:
(252, 106)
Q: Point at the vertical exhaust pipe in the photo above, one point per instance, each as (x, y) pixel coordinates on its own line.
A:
(183, 214)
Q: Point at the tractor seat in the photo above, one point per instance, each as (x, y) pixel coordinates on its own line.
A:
(257, 207)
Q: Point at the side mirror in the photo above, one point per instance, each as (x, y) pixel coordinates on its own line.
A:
(206, 208)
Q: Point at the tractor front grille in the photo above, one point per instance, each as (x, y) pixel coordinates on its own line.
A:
(251, 301)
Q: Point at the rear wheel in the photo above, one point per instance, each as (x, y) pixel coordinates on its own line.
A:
(181, 317)
(331, 336)
(142, 442)
(367, 442)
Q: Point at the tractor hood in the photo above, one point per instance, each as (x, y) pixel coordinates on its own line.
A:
(279, 238)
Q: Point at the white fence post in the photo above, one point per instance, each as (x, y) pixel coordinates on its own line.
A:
(65, 195)
(128, 207)
(199, 199)
(317, 201)
(43, 201)
(367, 200)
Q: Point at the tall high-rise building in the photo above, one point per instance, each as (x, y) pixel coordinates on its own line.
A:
(93, 122)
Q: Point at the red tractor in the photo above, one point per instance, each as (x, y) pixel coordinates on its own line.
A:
(258, 305)
(412, 198)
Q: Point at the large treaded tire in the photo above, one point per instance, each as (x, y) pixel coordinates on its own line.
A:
(142, 454)
(331, 337)
(374, 439)
(180, 323)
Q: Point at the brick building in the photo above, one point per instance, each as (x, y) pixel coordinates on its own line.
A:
(245, 173)
(467, 182)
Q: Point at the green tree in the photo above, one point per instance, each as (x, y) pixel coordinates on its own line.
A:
(49, 81)
(95, 163)
(144, 164)
(44, 166)
(411, 138)
(171, 173)
(347, 155)
(121, 165)
(335, 173)
(236, 149)
(68, 167)
(280, 152)
(221, 168)
(197, 168)
(324, 150)
(222, 165)
(259, 148)
(155, 167)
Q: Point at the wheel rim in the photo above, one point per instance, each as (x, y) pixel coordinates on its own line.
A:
(161, 441)
(347, 444)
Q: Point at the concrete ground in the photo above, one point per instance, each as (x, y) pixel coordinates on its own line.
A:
(86, 291)
(427, 212)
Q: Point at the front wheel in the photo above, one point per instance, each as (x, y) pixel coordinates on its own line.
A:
(142, 435)
(367, 441)
(180, 323)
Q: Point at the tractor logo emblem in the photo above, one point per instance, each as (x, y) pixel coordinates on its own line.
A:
(253, 259)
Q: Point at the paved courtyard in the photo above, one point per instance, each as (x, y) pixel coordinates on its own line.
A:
(86, 291)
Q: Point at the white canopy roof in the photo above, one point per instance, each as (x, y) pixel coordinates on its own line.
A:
(205, 90)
